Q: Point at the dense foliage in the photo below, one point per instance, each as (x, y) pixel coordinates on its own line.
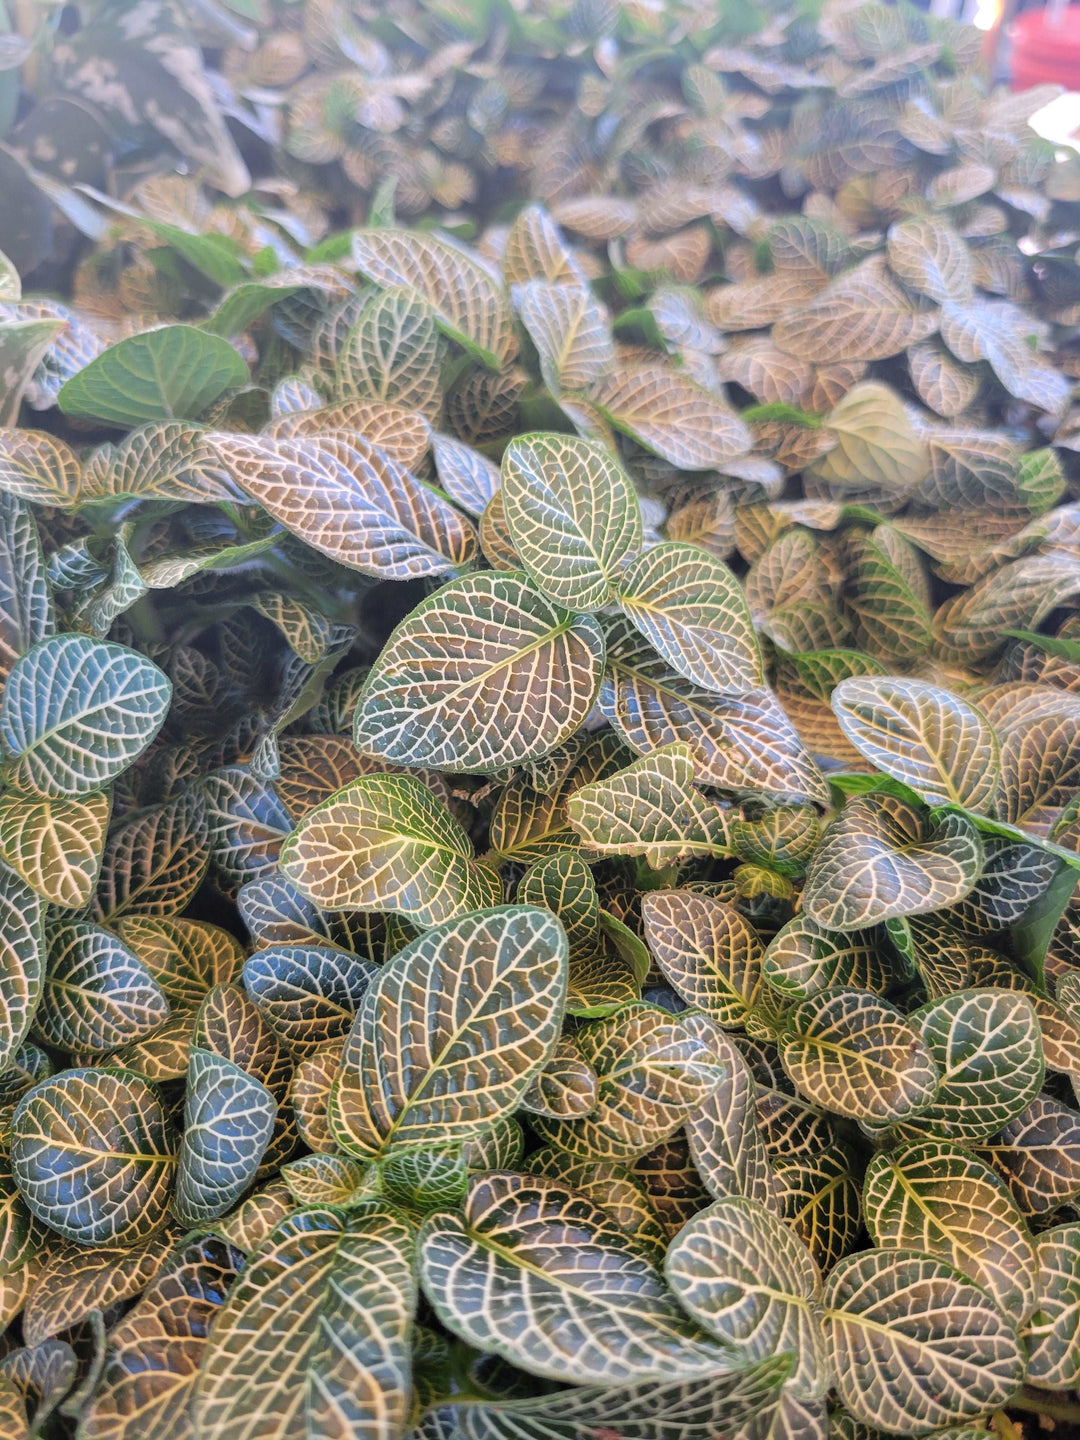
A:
(540, 751)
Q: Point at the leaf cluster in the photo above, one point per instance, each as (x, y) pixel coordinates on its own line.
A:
(539, 748)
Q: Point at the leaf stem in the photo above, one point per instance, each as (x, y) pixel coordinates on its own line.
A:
(1034, 1404)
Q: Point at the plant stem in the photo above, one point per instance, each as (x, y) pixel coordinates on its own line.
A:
(1055, 1409)
(1005, 1427)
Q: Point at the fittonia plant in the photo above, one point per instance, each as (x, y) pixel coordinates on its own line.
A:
(541, 750)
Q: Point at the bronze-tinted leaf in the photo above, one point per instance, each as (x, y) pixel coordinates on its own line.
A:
(468, 305)
(352, 502)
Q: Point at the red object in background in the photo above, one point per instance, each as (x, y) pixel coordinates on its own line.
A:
(1044, 52)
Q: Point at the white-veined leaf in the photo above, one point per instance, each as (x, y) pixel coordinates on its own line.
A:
(485, 673)
(76, 712)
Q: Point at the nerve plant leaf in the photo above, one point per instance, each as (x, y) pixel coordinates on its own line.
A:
(689, 607)
(228, 1123)
(469, 307)
(987, 1047)
(169, 374)
(339, 1291)
(653, 1070)
(97, 994)
(1052, 1333)
(22, 962)
(652, 809)
(881, 859)
(855, 1054)
(485, 673)
(955, 1354)
(352, 502)
(751, 673)
(483, 997)
(936, 1197)
(503, 1278)
(75, 712)
(385, 843)
(573, 517)
(691, 1409)
(92, 1154)
(55, 845)
(707, 951)
(931, 740)
(741, 1273)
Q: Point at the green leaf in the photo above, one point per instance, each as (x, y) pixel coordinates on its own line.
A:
(385, 843)
(691, 609)
(987, 1047)
(879, 859)
(564, 885)
(92, 1154)
(937, 1198)
(55, 845)
(352, 502)
(169, 374)
(931, 740)
(316, 1333)
(855, 1054)
(244, 303)
(424, 1180)
(915, 1345)
(543, 1277)
(652, 809)
(451, 1032)
(228, 1122)
(468, 305)
(483, 674)
(573, 516)
(76, 712)
(741, 1273)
